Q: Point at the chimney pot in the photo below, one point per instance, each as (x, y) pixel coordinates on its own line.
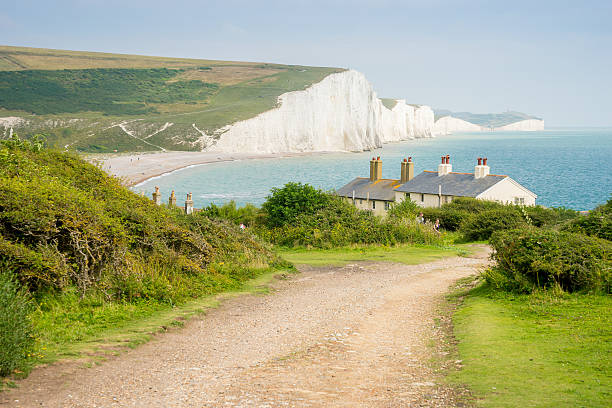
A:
(447, 159)
(405, 160)
(484, 161)
(480, 161)
(410, 159)
(443, 159)
(378, 158)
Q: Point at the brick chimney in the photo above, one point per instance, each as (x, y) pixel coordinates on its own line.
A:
(445, 167)
(375, 169)
(407, 170)
(157, 196)
(189, 204)
(481, 170)
(172, 200)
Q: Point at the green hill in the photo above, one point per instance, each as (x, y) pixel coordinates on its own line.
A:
(486, 119)
(95, 256)
(99, 102)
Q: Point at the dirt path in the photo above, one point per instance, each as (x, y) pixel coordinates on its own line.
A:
(329, 337)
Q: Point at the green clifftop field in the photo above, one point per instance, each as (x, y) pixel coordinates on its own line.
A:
(99, 102)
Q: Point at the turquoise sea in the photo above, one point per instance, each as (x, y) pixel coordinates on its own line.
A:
(564, 167)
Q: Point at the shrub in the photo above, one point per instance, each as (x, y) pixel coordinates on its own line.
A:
(339, 224)
(535, 258)
(285, 204)
(451, 219)
(484, 224)
(247, 215)
(16, 339)
(406, 209)
(549, 217)
(598, 223)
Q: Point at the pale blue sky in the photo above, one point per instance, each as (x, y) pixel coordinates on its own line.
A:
(548, 58)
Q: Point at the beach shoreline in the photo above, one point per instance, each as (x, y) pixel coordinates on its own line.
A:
(136, 168)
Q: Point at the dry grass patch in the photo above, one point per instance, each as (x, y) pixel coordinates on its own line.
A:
(227, 75)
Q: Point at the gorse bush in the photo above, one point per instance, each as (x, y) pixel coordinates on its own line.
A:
(532, 258)
(16, 334)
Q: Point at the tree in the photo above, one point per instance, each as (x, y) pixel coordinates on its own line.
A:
(286, 203)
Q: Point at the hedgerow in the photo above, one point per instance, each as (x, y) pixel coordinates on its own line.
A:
(531, 258)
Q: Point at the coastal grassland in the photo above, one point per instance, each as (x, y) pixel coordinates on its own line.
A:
(76, 98)
(542, 349)
(94, 256)
(406, 254)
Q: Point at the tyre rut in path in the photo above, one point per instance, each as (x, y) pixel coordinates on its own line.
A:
(328, 337)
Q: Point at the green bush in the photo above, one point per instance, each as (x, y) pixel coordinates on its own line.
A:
(64, 222)
(340, 223)
(484, 224)
(406, 209)
(16, 338)
(451, 219)
(247, 215)
(598, 223)
(532, 258)
(549, 217)
(285, 204)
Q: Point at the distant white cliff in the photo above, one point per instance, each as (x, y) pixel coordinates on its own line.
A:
(448, 125)
(340, 113)
(528, 125)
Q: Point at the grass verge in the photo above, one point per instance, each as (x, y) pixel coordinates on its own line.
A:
(406, 254)
(544, 349)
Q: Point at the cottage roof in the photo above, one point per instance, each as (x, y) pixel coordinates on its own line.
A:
(455, 184)
(383, 189)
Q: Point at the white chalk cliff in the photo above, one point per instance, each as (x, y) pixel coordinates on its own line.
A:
(340, 113)
(448, 125)
(527, 125)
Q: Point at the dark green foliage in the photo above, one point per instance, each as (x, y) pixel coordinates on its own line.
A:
(16, 339)
(450, 218)
(339, 223)
(482, 225)
(112, 91)
(598, 223)
(406, 209)
(549, 217)
(532, 258)
(64, 223)
(247, 215)
(285, 204)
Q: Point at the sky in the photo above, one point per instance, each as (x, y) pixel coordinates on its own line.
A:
(552, 59)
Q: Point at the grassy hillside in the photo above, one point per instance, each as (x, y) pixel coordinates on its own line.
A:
(99, 102)
(486, 119)
(93, 255)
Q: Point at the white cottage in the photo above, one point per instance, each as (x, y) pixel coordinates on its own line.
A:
(432, 189)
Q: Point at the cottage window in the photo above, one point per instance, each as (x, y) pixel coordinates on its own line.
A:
(519, 200)
(387, 205)
(373, 204)
(422, 197)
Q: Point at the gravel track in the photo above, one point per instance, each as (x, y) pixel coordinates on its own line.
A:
(328, 337)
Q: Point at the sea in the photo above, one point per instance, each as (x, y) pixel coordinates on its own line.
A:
(565, 167)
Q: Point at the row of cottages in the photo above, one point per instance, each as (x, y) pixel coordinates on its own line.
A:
(432, 188)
